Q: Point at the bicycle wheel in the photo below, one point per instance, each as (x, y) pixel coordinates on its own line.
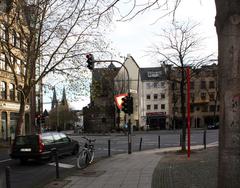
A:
(82, 159)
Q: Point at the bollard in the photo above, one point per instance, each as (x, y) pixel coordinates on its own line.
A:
(159, 143)
(140, 145)
(7, 172)
(204, 139)
(55, 153)
(109, 148)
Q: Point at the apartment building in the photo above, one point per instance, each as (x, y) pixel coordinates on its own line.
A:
(12, 70)
(154, 97)
(204, 100)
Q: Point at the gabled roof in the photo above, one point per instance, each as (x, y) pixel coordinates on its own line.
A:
(152, 74)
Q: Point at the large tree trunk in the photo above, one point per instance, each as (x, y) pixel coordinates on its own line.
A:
(228, 30)
(21, 114)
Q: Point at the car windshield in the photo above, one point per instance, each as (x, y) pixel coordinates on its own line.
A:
(26, 140)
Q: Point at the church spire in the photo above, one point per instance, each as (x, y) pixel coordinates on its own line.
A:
(64, 98)
(54, 99)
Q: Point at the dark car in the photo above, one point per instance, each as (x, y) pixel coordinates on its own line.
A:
(40, 146)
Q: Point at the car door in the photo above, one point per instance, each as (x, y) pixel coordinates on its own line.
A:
(58, 143)
(66, 144)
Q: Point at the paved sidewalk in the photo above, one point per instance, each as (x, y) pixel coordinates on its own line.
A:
(159, 168)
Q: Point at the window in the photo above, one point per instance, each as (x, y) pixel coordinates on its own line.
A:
(203, 85)
(155, 106)
(148, 107)
(18, 66)
(192, 97)
(148, 97)
(162, 95)
(148, 85)
(2, 32)
(162, 106)
(203, 96)
(3, 90)
(2, 62)
(156, 74)
(211, 96)
(191, 85)
(155, 96)
(212, 108)
(155, 85)
(12, 92)
(205, 108)
(162, 84)
(211, 85)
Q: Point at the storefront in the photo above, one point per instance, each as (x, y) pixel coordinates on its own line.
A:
(156, 120)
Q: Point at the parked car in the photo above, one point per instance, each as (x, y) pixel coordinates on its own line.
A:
(213, 126)
(40, 146)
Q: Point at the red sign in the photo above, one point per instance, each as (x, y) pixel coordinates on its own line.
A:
(118, 100)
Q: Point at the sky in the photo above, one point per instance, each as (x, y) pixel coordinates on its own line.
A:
(136, 36)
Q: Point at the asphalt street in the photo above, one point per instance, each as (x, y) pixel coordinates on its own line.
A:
(34, 175)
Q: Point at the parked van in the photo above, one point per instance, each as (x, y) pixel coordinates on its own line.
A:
(40, 146)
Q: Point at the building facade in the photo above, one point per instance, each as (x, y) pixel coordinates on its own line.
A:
(10, 38)
(204, 99)
(154, 96)
(127, 81)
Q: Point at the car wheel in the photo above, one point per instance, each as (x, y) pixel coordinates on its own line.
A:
(75, 150)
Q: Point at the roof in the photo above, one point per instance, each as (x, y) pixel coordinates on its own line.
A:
(152, 73)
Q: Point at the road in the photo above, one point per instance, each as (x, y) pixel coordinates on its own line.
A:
(35, 175)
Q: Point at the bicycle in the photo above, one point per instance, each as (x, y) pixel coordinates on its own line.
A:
(86, 155)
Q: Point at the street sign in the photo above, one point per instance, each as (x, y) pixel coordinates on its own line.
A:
(118, 99)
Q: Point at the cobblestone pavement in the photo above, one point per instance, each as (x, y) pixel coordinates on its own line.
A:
(175, 170)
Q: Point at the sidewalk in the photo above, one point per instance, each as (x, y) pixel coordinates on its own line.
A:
(159, 168)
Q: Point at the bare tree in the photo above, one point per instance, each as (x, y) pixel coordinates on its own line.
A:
(47, 36)
(178, 47)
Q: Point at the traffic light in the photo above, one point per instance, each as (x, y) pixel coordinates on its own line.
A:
(130, 105)
(124, 104)
(90, 61)
(127, 105)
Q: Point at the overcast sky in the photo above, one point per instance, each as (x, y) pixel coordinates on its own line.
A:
(135, 36)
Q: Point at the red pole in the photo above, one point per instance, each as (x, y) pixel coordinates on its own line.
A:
(188, 108)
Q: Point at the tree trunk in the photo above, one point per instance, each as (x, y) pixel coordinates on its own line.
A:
(183, 110)
(228, 30)
(20, 121)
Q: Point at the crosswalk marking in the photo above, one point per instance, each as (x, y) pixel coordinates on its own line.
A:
(62, 165)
